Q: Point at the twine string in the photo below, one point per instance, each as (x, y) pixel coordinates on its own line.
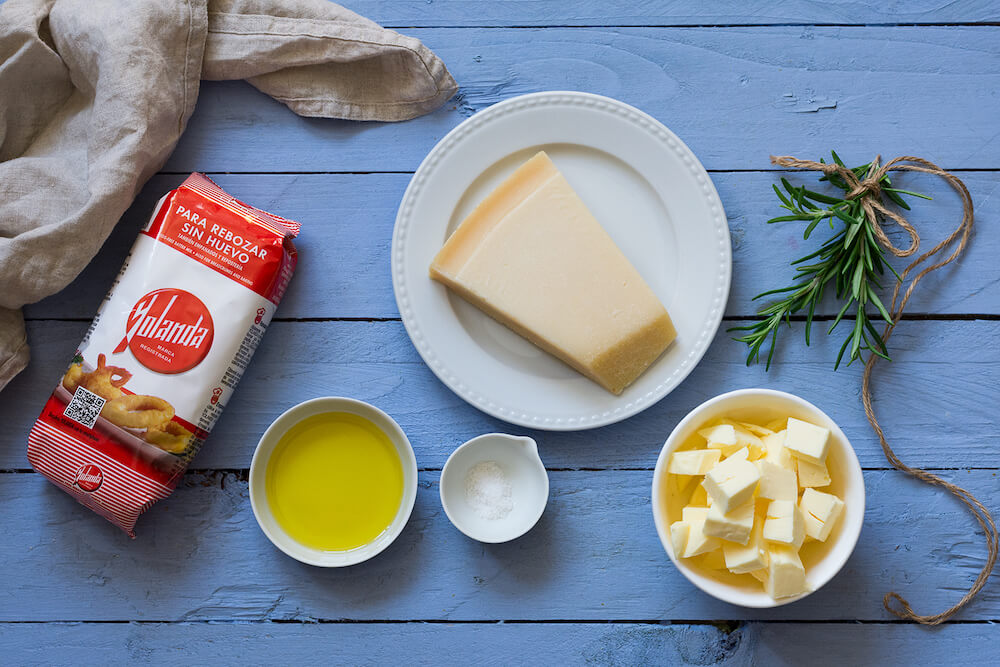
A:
(869, 189)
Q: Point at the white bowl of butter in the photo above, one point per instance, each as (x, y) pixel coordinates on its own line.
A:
(819, 550)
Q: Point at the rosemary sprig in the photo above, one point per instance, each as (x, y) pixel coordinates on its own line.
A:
(852, 260)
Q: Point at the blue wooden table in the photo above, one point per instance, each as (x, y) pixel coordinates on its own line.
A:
(737, 81)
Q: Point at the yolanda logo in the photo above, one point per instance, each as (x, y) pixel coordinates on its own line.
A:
(89, 477)
(169, 331)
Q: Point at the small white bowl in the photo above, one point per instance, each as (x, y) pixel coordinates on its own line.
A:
(258, 491)
(766, 405)
(529, 482)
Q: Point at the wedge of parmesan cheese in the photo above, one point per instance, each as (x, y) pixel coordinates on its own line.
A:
(534, 258)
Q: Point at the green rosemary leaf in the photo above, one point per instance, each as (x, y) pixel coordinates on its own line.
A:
(789, 218)
(810, 228)
(821, 198)
(896, 199)
(907, 192)
(840, 355)
(839, 317)
(809, 319)
(851, 260)
(775, 291)
(781, 196)
(873, 297)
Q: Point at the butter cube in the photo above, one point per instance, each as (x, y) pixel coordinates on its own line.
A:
(785, 574)
(807, 441)
(777, 424)
(693, 462)
(760, 575)
(679, 537)
(759, 431)
(731, 483)
(776, 452)
(742, 453)
(697, 542)
(820, 512)
(723, 434)
(751, 557)
(721, 437)
(784, 524)
(734, 526)
(776, 483)
(812, 474)
(699, 498)
(745, 438)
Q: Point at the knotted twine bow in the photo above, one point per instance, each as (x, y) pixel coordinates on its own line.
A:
(870, 192)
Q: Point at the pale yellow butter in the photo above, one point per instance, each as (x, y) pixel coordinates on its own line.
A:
(776, 453)
(812, 474)
(776, 482)
(693, 461)
(807, 441)
(697, 541)
(752, 556)
(731, 483)
(679, 536)
(734, 526)
(746, 516)
(786, 575)
(784, 523)
(820, 512)
(723, 434)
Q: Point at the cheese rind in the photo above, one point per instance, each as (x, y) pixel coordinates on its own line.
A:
(693, 462)
(820, 512)
(534, 258)
(807, 441)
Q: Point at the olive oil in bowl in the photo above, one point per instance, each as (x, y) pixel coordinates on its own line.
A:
(334, 481)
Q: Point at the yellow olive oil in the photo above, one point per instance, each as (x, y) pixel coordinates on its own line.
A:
(334, 481)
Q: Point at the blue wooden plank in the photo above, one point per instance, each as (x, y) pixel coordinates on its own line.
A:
(734, 95)
(498, 643)
(376, 362)
(348, 219)
(594, 555)
(664, 12)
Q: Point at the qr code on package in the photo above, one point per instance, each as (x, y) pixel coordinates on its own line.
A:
(85, 407)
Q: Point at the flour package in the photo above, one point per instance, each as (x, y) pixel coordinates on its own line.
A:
(165, 351)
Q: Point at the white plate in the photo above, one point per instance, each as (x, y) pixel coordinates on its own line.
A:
(648, 191)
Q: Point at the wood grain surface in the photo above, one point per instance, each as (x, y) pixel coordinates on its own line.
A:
(591, 583)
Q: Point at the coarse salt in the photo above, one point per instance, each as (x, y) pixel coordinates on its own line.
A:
(488, 492)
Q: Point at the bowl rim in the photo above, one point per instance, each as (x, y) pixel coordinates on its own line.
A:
(847, 540)
(472, 443)
(258, 471)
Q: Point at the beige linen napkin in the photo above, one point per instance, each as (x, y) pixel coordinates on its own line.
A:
(94, 95)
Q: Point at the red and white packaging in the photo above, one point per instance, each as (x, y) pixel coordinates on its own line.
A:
(165, 351)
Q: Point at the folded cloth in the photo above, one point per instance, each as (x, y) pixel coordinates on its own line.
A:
(94, 95)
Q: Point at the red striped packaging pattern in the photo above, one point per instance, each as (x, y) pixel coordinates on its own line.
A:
(165, 351)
